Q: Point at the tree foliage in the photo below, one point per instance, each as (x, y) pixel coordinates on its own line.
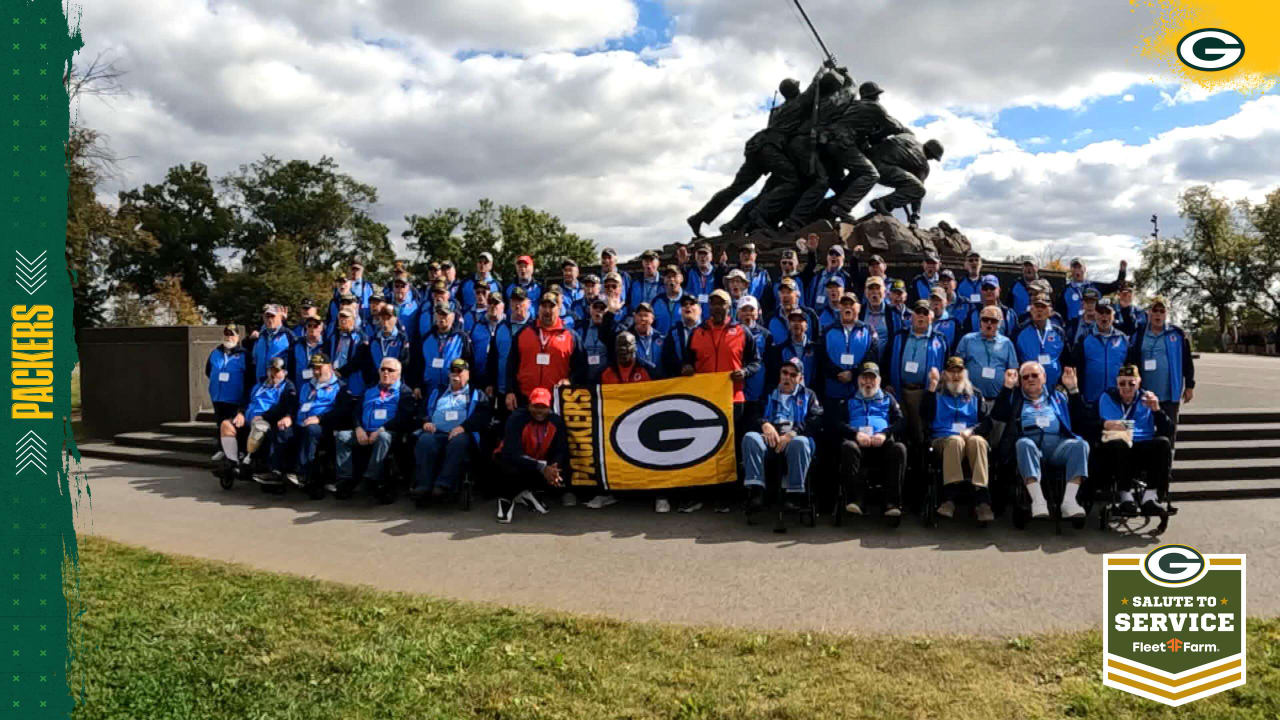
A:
(184, 223)
(505, 231)
(270, 275)
(321, 213)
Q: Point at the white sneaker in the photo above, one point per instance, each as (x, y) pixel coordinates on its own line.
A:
(601, 501)
(1039, 508)
(853, 509)
(947, 509)
(293, 479)
(893, 512)
(662, 505)
(1071, 508)
(331, 487)
(691, 506)
(506, 510)
(527, 499)
(217, 457)
(568, 499)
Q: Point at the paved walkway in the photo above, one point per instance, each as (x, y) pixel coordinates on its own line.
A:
(626, 562)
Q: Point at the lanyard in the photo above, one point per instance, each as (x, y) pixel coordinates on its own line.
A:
(543, 339)
(1128, 409)
(647, 345)
(1043, 336)
(541, 431)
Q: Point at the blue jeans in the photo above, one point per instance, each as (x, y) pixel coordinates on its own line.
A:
(798, 454)
(346, 443)
(1071, 453)
(309, 437)
(438, 456)
(281, 444)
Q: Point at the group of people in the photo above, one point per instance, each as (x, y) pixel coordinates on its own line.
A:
(832, 363)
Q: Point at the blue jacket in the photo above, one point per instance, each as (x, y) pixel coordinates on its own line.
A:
(395, 413)
(271, 402)
(894, 320)
(675, 347)
(1097, 358)
(228, 374)
(950, 328)
(1182, 370)
(479, 410)
(481, 335)
(841, 352)
(666, 313)
(407, 313)
(499, 350)
(326, 401)
(596, 343)
(969, 290)
(780, 327)
(643, 290)
(467, 291)
(935, 356)
(1147, 423)
(438, 351)
(372, 351)
(346, 366)
(941, 413)
(1008, 320)
(757, 282)
(920, 287)
(649, 351)
(362, 289)
(531, 288)
(700, 285)
(978, 353)
(1031, 345)
(299, 360)
(880, 412)
(1129, 319)
(816, 292)
(1008, 410)
(269, 346)
(1018, 297)
(807, 351)
(754, 384)
(806, 411)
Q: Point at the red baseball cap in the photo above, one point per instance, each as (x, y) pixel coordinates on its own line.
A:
(524, 259)
(540, 396)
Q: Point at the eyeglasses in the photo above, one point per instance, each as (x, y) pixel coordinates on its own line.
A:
(993, 321)
(1127, 383)
(1032, 376)
(387, 370)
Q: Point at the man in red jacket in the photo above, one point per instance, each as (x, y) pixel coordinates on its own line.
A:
(720, 344)
(543, 354)
(534, 456)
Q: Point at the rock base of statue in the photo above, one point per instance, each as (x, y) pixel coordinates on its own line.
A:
(877, 234)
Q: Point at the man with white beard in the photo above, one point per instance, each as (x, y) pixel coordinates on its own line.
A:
(956, 417)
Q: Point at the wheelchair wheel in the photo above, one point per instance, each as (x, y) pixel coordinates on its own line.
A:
(226, 480)
(464, 496)
(1104, 515)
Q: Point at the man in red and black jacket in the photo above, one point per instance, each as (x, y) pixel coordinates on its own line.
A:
(534, 456)
(720, 344)
(544, 354)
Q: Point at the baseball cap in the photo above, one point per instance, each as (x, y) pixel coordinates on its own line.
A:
(748, 301)
(308, 303)
(931, 257)
(387, 309)
(875, 260)
(1040, 300)
(990, 280)
(835, 280)
(346, 312)
(312, 321)
(643, 307)
(598, 300)
(671, 270)
(990, 311)
(898, 286)
(1077, 261)
(495, 298)
(1104, 305)
(938, 292)
(458, 365)
(869, 368)
(319, 359)
(486, 256)
(591, 279)
(347, 297)
(954, 363)
(787, 282)
(747, 247)
(848, 297)
(1128, 371)
(1028, 260)
(446, 265)
(1160, 300)
(973, 254)
(788, 254)
(724, 296)
(836, 250)
(439, 286)
(797, 312)
(1091, 293)
(552, 296)
(687, 299)
(524, 259)
(276, 363)
(947, 274)
(648, 255)
(875, 280)
(540, 396)
(921, 306)
(399, 281)
(339, 277)
(702, 247)
(443, 309)
(796, 362)
(518, 293)
(356, 264)
(735, 274)
(377, 296)
(270, 309)
(613, 277)
(568, 262)
(609, 252)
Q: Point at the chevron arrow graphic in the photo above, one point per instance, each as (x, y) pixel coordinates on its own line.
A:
(31, 274)
(31, 451)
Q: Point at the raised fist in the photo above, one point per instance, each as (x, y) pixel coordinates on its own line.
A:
(1011, 378)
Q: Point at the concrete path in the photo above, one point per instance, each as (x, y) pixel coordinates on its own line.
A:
(626, 562)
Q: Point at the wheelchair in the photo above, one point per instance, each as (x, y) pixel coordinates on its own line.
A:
(874, 491)
(777, 498)
(964, 495)
(1107, 497)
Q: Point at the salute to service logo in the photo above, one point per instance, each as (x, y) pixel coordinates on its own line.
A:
(1174, 623)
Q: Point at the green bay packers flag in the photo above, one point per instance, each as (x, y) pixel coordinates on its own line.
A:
(1174, 623)
(653, 435)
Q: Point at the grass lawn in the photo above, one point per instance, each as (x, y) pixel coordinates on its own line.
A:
(173, 637)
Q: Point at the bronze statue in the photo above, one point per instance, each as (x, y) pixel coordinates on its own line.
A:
(903, 164)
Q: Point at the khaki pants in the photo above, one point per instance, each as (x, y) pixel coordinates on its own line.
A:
(954, 449)
(910, 401)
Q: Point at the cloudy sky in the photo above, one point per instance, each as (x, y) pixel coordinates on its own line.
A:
(623, 116)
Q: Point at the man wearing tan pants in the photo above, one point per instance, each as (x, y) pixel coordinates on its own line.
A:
(955, 416)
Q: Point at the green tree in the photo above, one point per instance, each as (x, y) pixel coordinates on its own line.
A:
(505, 231)
(324, 215)
(270, 275)
(1262, 271)
(1205, 267)
(185, 224)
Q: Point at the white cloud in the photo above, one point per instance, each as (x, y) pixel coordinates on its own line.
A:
(1128, 97)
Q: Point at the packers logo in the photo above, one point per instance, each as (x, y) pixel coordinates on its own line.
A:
(1174, 565)
(669, 433)
(1210, 49)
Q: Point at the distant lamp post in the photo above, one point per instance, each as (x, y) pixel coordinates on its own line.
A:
(1155, 239)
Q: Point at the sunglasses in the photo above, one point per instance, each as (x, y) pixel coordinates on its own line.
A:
(993, 321)
(387, 370)
(1032, 376)
(1127, 383)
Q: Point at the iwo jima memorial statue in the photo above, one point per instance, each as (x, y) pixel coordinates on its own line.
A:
(832, 136)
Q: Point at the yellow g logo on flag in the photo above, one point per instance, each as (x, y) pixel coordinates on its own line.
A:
(1210, 49)
(1216, 44)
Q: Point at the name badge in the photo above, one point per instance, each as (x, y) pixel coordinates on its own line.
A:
(380, 414)
(1042, 421)
(822, 300)
(224, 377)
(702, 298)
(912, 366)
(306, 374)
(306, 407)
(1149, 364)
(437, 362)
(975, 297)
(593, 359)
(1044, 359)
(450, 415)
(542, 358)
(958, 427)
(866, 429)
(846, 359)
(988, 373)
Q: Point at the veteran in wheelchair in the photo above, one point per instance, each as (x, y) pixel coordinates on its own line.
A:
(1134, 452)
(956, 420)
(783, 437)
